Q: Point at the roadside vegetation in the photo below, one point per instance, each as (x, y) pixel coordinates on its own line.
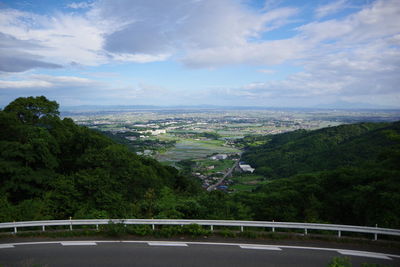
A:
(345, 262)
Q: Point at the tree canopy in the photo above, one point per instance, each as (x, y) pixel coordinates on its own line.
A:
(33, 109)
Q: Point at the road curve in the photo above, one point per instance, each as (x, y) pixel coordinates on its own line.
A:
(165, 253)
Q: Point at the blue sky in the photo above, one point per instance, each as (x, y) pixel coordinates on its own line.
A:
(193, 52)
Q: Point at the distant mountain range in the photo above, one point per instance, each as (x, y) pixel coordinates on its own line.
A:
(333, 106)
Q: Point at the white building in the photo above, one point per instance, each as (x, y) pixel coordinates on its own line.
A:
(154, 132)
(246, 168)
(219, 156)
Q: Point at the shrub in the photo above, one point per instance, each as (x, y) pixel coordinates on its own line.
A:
(340, 262)
(195, 230)
(141, 230)
(114, 229)
(227, 233)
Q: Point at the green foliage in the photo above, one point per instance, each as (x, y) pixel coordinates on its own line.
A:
(227, 233)
(340, 262)
(373, 265)
(345, 262)
(249, 234)
(140, 230)
(168, 231)
(346, 175)
(302, 151)
(33, 110)
(53, 168)
(114, 229)
(195, 230)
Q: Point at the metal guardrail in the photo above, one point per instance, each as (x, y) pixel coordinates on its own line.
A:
(211, 223)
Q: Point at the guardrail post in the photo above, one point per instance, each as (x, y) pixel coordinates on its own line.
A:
(43, 228)
(375, 234)
(212, 228)
(241, 228)
(339, 233)
(70, 223)
(97, 227)
(305, 231)
(153, 227)
(15, 228)
(273, 228)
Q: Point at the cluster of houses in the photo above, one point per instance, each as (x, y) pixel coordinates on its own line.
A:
(154, 132)
(208, 180)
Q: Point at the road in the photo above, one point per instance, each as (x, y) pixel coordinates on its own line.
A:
(161, 253)
(212, 187)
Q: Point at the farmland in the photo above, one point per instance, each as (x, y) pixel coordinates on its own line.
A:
(188, 138)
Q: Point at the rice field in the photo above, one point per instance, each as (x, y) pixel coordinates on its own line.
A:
(194, 149)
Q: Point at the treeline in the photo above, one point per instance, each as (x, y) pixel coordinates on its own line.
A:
(348, 174)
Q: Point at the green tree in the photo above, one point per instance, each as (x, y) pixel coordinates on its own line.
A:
(33, 109)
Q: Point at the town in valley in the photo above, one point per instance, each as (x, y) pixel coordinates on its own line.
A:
(206, 143)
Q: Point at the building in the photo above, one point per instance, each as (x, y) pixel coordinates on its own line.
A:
(246, 167)
(219, 156)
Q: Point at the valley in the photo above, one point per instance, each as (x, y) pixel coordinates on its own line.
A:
(189, 139)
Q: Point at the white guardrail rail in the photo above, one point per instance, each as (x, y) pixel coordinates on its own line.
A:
(211, 223)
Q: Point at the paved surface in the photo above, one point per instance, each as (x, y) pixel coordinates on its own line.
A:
(161, 253)
(212, 187)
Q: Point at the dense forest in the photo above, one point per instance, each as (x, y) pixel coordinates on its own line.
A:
(347, 174)
(51, 168)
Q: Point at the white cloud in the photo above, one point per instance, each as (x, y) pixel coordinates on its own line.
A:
(80, 5)
(355, 57)
(264, 53)
(267, 71)
(36, 81)
(190, 29)
(59, 39)
(139, 58)
(331, 8)
(73, 90)
(144, 31)
(24, 84)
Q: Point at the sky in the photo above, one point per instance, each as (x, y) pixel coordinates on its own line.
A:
(299, 53)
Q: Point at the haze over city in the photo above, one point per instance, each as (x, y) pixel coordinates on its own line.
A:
(225, 52)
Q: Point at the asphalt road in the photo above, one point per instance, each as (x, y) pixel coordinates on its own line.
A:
(212, 187)
(158, 253)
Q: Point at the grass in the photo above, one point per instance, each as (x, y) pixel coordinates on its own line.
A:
(246, 182)
(192, 149)
(219, 165)
(346, 262)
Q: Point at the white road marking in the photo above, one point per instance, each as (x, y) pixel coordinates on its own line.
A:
(184, 244)
(6, 246)
(77, 243)
(172, 244)
(260, 247)
(364, 254)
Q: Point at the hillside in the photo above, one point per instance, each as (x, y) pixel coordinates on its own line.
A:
(302, 151)
(53, 168)
(348, 174)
